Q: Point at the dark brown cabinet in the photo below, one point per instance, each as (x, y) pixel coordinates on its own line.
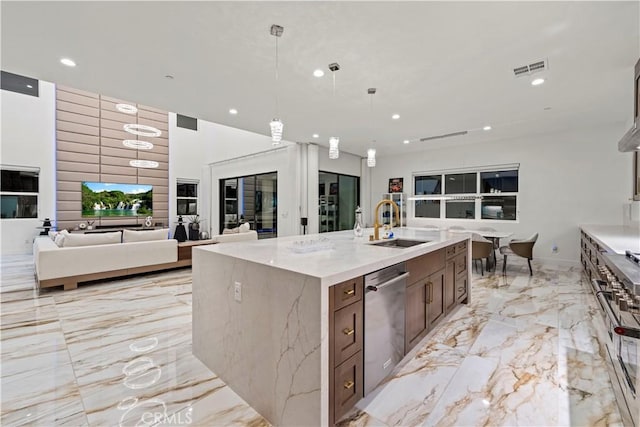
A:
(416, 321)
(346, 384)
(435, 302)
(456, 278)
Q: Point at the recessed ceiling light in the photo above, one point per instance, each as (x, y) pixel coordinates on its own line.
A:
(30, 87)
(315, 135)
(168, 76)
(406, 141)
(68, 62)
(547, 108)
(233, 111)
(318, 73)
(487, 127)
(537, 82)
(395, 116)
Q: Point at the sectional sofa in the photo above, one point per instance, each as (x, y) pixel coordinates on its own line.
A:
(65, 259)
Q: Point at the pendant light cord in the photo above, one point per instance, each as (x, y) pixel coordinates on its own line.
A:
(277, 81)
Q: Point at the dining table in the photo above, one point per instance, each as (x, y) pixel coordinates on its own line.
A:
(494, 236)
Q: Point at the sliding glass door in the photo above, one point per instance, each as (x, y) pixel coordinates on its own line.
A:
(339, 195)
(251, 199)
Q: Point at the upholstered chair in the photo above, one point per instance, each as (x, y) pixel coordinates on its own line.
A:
(480, 248)
(496, 242)
(523, 248)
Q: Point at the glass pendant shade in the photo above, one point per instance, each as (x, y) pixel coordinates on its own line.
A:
(334, 152)
(371, 157)
(276, 131)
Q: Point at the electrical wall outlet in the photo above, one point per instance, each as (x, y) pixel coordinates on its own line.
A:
(554, 248)
(237, 291)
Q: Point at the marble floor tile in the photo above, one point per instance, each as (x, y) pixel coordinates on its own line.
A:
(523, 353)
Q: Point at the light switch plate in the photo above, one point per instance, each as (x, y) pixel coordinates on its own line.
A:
(237, 291)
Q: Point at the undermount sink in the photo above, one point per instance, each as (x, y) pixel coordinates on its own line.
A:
(399, 243)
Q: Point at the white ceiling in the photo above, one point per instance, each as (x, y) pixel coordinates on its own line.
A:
(443, 66)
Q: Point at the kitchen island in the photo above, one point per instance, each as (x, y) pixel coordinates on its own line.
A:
(281, 320)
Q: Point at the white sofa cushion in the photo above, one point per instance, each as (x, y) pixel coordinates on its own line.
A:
(144, 235)
(74, 240)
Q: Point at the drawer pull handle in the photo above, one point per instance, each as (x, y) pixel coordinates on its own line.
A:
(349, 384)
(348, 331)
(350, 292)
(460, 289)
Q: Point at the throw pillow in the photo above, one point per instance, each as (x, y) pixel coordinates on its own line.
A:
(59, 237)
(74, 240)
(245, 227)
(144, 236)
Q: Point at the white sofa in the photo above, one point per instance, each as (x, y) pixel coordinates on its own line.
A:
(235, 237)
(56, 266)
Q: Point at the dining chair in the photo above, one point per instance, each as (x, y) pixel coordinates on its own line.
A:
(480, 248)
(523, 248)
(496, 241)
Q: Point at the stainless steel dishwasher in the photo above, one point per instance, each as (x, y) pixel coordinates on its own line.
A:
(384, 301)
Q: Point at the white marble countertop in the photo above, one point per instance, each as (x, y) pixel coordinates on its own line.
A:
(348, 256)
(614, 238)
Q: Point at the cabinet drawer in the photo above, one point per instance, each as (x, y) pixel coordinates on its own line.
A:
(460, 247)
(347, 332)
(451, 251)
(348, 386)
(347, 292)
(461, 263)
(426, 264)
(461, 286)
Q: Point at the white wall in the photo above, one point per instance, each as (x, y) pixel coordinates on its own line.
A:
(27, 139)
(190, 153)
(284, 161)
(346, 164)
(565, 180)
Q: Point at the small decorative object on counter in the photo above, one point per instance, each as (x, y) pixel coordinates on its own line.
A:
(194, 227)
(148, 221)
(358, 227)
(180, 234)
(82, 226)
(90, 225)
(46, 226)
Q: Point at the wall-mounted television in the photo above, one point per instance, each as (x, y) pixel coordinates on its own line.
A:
(103, 199)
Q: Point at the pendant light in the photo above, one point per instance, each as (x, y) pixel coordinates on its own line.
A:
(371, 152)
(334, 141)
(276, 124)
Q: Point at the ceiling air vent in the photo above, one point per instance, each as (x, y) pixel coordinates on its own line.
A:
(531, 68)
(446, 135)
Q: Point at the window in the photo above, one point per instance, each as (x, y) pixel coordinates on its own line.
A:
(19, 194)
(187, 197)
(485, 194)
(428, 185)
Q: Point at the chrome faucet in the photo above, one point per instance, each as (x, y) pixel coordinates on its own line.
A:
(376, 224)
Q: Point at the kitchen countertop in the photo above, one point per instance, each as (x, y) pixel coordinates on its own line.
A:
(344, 257)
(614, 238)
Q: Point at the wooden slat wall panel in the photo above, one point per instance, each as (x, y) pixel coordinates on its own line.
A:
(77, 91)
(66, 116)
(77, 99)
(70, 156)
(77, 109)
(90, 132)
(75, 137)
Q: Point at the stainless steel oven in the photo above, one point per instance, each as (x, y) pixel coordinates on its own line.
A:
(619, 304)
